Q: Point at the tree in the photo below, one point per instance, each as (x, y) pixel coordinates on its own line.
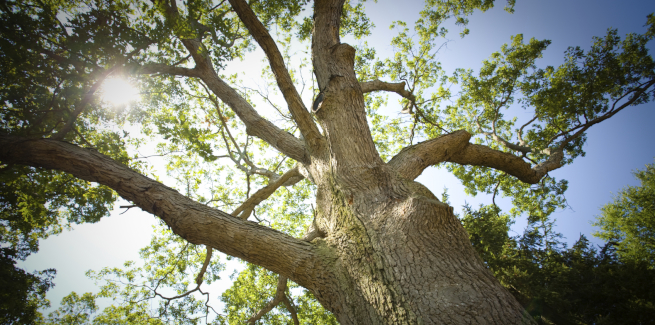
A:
(629, 221)
(560, 285)
(377, 247)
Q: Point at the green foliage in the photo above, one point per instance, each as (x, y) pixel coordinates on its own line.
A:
(629, 221)
(21, 293)
(244, 299)
(74, 310)
(560, 285)
(169, 267)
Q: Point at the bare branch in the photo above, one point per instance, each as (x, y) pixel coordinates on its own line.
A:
(82, 104)
(193, 221)
(637, 92)
(306, 124)
(291, 309)
(246, 207)
(397, 87)
(279, 296)
(201, 274)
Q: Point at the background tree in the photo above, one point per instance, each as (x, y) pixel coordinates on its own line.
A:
(560, 285)
(378, 247)
(629, 221)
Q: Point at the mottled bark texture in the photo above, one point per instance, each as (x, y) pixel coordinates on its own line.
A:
(382, 249)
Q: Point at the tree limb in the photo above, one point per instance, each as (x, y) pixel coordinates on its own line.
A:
(201, 274)
(262, 194)
(279, 296)
(256, 125)
(412, 160)
(79, 108)
(193, 221)
(306, 124)
(396, 87)
(291, 309)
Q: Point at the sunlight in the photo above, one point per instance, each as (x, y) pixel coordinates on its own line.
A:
(119, 91)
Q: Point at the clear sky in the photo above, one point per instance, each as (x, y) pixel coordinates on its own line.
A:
(614, 148)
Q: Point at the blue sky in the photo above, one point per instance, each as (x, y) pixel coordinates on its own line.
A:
(614, 148)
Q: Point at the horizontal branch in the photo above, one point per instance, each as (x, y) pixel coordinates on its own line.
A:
(483, 156)
(396, 87)
(412, 160)
(455, 148)
(193, 221)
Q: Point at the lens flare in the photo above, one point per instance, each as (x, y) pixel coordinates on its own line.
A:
(119, 91)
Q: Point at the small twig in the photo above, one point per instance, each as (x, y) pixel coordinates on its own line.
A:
(128, 207)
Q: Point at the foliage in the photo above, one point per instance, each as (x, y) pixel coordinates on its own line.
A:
(560, 285)
(629, 221)
(21, 293)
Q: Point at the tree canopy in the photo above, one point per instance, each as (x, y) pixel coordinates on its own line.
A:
(279, 175)
(629, 221)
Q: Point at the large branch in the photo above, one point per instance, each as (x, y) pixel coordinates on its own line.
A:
(325, 38)
(455, 148)
(483, 156)
(256, 125)
(193, 221)
(259, 32)
(412, 160)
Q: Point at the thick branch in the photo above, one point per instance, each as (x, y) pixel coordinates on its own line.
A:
(193, 221)
(479, 155)
(300, 114)
(327, 21)
(411, 161)
(255, 124)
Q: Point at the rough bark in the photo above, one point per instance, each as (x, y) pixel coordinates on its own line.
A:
(193, 221)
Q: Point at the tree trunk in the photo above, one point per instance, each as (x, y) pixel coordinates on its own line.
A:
(401, 257)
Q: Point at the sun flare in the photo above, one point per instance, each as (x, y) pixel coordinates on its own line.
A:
(119, 91)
